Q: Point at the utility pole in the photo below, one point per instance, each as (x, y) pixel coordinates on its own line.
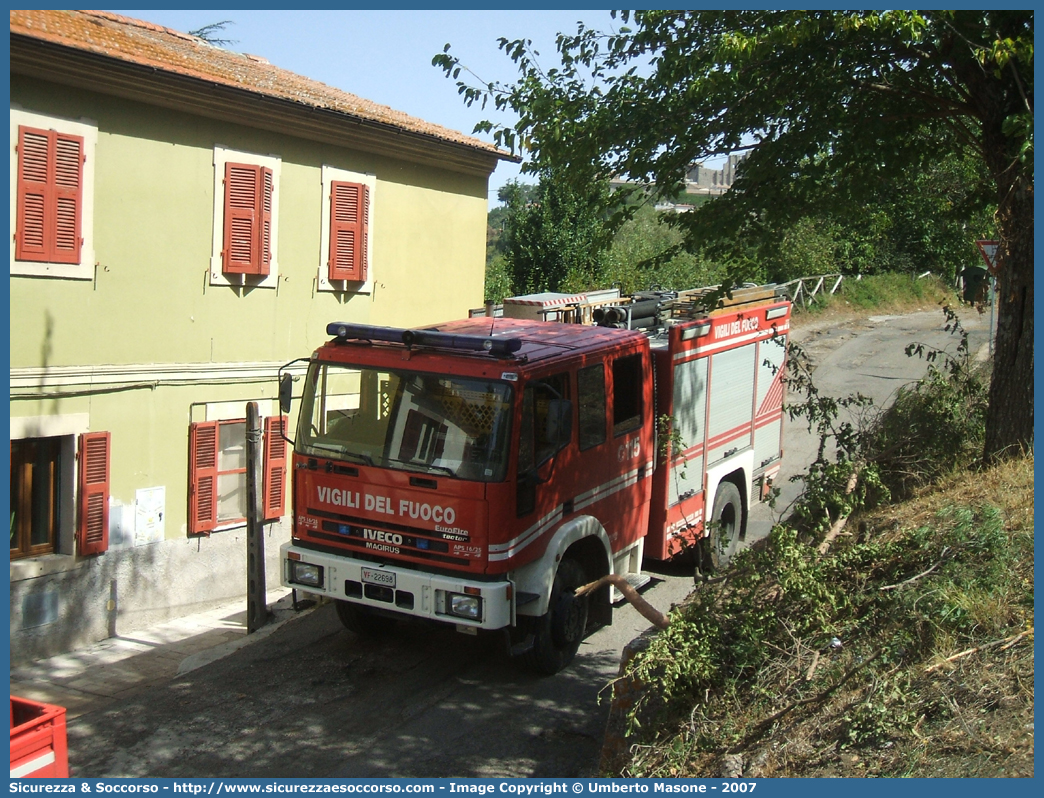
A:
(257, 608)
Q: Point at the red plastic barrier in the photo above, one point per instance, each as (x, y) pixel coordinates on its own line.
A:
(38, 743)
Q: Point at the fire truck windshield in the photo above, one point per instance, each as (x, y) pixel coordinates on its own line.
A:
(406, 420)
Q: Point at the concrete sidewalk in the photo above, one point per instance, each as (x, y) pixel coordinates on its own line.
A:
(88, 679)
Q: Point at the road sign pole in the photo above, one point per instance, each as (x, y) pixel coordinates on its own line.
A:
(257, 609)
(988, 249)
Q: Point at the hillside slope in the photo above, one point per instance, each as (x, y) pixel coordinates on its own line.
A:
(905, 650)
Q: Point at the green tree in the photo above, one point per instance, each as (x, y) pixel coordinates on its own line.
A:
(924, 219)
(498, 279)
(209, 33)
(831, 105)
(648, 250)
(556, 238)
(513, 196)
(807, 247)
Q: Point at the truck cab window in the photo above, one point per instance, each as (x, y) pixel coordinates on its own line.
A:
(627, 394)
(407, 421)
(536, 443)
(590, 387)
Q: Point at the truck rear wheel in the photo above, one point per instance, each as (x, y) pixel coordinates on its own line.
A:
(361, 620)
(558, 632)
(726, 520)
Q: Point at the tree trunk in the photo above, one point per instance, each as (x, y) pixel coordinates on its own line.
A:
(1009, 419)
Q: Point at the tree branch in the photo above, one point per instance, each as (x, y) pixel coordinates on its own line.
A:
(1006, 643)
(922, 574)
(767, 722)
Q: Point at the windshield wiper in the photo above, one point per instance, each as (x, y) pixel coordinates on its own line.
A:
(359, 457)
(423, 466)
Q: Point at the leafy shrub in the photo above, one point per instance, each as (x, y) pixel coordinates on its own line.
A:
(935, 426)
(873, 610)
(498, 279)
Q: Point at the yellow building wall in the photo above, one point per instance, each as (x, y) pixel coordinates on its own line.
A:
(151, 302)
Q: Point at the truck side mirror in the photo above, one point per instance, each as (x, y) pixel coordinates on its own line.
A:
(286, 391)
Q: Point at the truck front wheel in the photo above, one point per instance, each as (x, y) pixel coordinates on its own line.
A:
(724, 527)
(361, 620)
(558, 632)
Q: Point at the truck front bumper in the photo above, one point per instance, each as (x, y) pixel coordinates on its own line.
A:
(465, 602)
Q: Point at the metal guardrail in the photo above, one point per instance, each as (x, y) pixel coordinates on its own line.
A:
(798, 290)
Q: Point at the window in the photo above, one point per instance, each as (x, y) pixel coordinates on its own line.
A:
(38, 471)
(349, 214)
(35, 487)
(274, 485)
(347, 231)
(536, 441)
(50, 195)
(537, 435)
(423, 438)
(246, 206)
(627, 394)
(452, 426)
(247, 247)
(92, 531)
(217, 473)
(590, 383)
(52, 186)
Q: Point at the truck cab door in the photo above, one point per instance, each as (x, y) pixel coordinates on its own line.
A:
(545, 430)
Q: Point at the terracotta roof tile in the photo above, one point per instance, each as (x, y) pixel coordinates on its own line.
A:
(172, 51)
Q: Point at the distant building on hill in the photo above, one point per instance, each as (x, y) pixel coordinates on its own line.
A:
(701, 179)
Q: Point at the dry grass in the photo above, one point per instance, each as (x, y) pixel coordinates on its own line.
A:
(958, 702)
(886, 294)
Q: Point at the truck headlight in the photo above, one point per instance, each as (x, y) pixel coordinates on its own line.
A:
(303, 573)
(462, 606)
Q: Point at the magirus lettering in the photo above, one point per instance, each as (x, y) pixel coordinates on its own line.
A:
(382, 547)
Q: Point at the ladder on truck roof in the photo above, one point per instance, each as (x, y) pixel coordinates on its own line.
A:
(594, 307)
(693, 303)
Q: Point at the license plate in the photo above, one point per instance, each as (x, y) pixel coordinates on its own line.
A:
(375, 577)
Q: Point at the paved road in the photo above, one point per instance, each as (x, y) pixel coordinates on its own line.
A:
(313, 700)
(867, 356)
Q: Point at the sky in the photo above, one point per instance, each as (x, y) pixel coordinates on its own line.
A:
(385, 56)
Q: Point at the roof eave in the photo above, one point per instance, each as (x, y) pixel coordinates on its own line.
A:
(71, 66)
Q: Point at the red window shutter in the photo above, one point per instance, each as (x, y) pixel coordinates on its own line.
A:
(68, 189)
(92, 533)
(364, 243)
(203, 468)
(243, 186)
(265, 246)
(31, 223)
(50, 196)
(349, 230)
(274, 487)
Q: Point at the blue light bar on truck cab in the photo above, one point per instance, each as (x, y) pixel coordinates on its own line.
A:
(395, 335)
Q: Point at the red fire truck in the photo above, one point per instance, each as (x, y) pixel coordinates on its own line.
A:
(478, 471)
